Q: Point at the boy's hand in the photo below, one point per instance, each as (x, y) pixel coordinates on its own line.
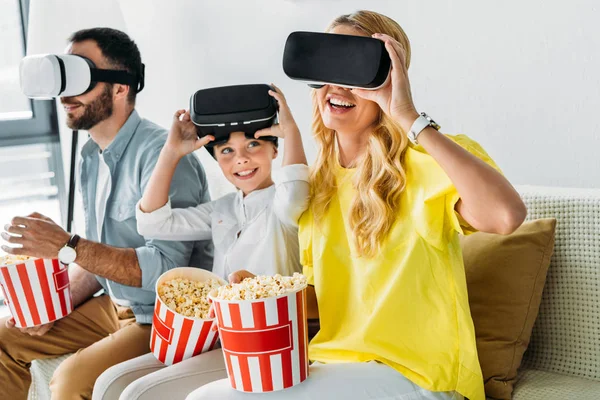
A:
(286, 125)
(234, 277)
(183, 139)
(238, 276)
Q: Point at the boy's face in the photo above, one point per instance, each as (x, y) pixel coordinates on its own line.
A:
(246, 162)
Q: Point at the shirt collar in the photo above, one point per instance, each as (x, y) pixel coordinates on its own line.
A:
(254, 203)
(120, 142)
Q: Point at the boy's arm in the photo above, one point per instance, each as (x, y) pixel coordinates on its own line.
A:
(181, 141)
(288, 130)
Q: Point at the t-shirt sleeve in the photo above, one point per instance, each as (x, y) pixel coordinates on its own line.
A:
(305, 239)
(434, 210)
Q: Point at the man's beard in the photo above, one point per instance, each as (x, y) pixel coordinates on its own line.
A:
(94, 112)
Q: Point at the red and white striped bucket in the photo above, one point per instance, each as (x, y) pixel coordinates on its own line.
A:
(175, 337)
(265, 341)
(36, 291)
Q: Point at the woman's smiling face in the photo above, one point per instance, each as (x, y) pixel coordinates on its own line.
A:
(340, 109)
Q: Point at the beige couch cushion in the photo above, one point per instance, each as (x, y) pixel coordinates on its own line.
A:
(541, 385)
(505, 279)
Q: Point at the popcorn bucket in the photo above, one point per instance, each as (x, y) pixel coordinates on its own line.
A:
(176, 337)
(264, 341)
(36, 291)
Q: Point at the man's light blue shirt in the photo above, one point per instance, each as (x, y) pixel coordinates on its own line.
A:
(131, 158)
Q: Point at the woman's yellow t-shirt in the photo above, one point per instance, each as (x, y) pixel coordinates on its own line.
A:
(407, 307)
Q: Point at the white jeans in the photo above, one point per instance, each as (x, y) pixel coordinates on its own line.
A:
(355, 381)
(146, 378)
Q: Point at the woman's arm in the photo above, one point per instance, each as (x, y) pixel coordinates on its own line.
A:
(488, 201)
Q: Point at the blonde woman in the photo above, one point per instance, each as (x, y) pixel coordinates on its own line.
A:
(380, 243)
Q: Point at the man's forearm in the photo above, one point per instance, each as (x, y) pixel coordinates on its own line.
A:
(83, 284)
(114, 263)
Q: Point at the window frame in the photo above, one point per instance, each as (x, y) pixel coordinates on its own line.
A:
(41, 128)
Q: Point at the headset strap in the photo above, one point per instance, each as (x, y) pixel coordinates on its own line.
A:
(119, 76)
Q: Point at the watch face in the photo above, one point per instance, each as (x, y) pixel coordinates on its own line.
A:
(67, 255)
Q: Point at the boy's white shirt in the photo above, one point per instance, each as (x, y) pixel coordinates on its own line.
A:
(266, 221)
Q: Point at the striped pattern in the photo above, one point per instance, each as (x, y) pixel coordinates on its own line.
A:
(265, 342)
(37, 291)
(175, 337)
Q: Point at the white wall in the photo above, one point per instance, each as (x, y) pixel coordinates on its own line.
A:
(520, 77)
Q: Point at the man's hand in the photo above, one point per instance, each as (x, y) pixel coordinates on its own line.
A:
(38, 235)
(39, 330)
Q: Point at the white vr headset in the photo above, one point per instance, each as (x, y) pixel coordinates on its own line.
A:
(45, 76)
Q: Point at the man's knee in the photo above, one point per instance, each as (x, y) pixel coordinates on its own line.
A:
(8, 336)
(12, 343)
(71, 380)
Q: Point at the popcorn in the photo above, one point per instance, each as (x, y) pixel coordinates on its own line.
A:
(261, 287)
(10, 259)
(187, 297)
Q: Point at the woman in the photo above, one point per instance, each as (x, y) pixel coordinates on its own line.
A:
(379, 242)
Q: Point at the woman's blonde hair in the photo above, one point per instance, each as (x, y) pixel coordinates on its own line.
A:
(380, 177)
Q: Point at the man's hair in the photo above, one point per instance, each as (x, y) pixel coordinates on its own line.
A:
(118, 49)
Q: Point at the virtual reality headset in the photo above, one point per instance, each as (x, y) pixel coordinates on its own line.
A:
(46, 76)
(342, 60)
(219, 111)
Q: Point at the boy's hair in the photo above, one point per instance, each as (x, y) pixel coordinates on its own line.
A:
(118, 48)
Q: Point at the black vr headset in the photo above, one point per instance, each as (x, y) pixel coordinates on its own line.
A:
(46, 76)
(342, 60)
(219, 111)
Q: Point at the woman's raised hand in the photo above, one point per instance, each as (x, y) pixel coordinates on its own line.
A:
(394, 97)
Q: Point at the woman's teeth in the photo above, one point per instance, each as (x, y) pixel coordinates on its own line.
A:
(340, 103)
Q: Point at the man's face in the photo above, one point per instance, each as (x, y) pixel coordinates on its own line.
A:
(87, 110)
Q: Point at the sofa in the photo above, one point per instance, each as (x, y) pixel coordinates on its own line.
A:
(563, 357)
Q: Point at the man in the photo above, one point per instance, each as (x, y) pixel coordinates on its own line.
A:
(116, 165)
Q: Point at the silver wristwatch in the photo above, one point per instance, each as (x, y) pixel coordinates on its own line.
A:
(421, 123)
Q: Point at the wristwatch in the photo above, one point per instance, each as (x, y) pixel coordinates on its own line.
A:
(421, 123)
(68, 254)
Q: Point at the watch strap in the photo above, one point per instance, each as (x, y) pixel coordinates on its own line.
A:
(422, 122)
(73, 241)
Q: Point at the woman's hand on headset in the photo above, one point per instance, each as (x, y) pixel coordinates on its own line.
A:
(394, 97)
(183, 137)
